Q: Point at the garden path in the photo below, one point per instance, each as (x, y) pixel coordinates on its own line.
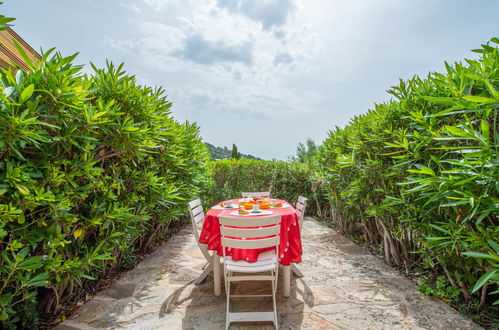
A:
(344, 287)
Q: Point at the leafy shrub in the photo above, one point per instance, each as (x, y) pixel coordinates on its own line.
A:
(419, 174)
(92, 168)
(441, 289)
(285, 180)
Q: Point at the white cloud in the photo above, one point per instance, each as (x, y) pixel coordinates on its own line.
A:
(270, 13)
(131, 6)
(231, 61)
(157, 5)
(295, 65)
(198, 49)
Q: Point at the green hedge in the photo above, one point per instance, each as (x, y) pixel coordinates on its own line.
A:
(93, 168)
(419, 174)
(285, 180)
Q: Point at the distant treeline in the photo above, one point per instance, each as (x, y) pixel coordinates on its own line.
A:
(225, 153)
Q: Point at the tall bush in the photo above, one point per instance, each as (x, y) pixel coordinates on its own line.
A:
(284, 180)
(92, 169)
(419, 174)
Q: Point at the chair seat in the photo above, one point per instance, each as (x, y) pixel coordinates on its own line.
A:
(266, 261)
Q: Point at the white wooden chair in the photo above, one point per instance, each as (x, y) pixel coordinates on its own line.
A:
(197, 218)
(264, 194)
(300, 205)
(235, 232)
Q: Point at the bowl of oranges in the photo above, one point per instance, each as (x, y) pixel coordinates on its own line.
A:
(248, 205)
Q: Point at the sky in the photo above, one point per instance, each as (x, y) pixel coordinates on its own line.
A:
(263, 74)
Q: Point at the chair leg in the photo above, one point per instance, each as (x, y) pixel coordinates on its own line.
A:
(216, 274)
(286, 276)
(296, 271)
(227, 315)
(205, 273)
(274, 284)
(206, 265)
(226, 282)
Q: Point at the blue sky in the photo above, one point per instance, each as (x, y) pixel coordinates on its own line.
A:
(263, 74)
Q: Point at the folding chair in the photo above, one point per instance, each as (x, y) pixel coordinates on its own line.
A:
(265, 194)
(300, 205)
(197, 218)
(251, 233)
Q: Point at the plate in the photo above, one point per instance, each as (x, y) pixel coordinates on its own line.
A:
(263, 212)
(218, 207)
(282, 207)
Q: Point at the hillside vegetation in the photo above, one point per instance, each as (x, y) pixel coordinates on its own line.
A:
(224, 153)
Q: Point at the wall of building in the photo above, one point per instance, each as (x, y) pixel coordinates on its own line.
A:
(10, 57)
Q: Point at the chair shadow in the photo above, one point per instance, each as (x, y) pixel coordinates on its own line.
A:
(206, 311)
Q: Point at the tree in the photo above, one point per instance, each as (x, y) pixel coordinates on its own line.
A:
(235, 154)
(305, 152)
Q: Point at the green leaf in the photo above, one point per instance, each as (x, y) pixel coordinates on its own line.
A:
(482, 280)
(457, 131)
(480, 255)
(438, 228)
(417, 188)
(31, 263)
(423, 170)
(485, 130)
(26, 93)
(479, 99)
(19, 77)
(452, 204)
(444, 100)
(25, 56)
(494, 245)
(22, 189)
(8, 91)
(88, 277)
(38, 280)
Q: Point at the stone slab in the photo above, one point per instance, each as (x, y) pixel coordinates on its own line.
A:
(344, 287)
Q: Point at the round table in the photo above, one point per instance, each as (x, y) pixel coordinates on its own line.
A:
(290, 249)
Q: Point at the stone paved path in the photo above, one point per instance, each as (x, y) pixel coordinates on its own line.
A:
(344, 287)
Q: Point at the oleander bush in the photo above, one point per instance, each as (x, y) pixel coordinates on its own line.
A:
(93, 169)
(284, 180)
(419, 174)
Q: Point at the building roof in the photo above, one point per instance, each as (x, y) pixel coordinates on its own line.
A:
(10, 57)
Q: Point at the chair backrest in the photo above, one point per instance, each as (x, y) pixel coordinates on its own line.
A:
(301, 205)
(262, 231)
(197, 218)
(256, 194)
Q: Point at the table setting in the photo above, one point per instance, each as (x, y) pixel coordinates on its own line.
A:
(290, 248)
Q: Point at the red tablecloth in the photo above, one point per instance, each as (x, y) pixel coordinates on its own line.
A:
(290, 242)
